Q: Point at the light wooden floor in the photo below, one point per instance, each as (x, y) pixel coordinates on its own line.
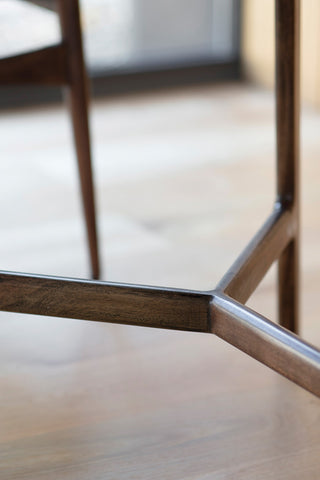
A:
(183, 181)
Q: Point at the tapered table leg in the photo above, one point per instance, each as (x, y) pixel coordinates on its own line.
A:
(288, 112)
(77, 96)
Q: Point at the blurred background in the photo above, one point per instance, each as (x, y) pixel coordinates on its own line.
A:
(183, 143)
(133, 44)
(136, 37)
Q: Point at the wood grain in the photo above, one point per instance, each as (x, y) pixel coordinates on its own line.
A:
(104, 302)
(166, 308)
(288, 147)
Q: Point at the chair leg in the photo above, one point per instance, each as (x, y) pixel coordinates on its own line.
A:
(288, 113)
(77, 97)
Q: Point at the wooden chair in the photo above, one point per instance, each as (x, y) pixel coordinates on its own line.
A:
(221, 311)
(63, 65)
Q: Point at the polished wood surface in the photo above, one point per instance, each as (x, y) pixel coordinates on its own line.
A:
(288, 150)
(246, 273)
(105, 302)
(266, 342)
(97, 401)
(90, 400)
(134, 305)
(175, 309)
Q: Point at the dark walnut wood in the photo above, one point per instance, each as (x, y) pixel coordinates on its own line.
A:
(104, 302)
(267, 342)
(175, 309)
(246, 273)
(288, 125)
(213, 311)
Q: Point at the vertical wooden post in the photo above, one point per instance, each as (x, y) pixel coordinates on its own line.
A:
(287, 121)
(77, 96)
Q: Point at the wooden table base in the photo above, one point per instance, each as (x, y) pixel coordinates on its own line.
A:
(220, 311)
